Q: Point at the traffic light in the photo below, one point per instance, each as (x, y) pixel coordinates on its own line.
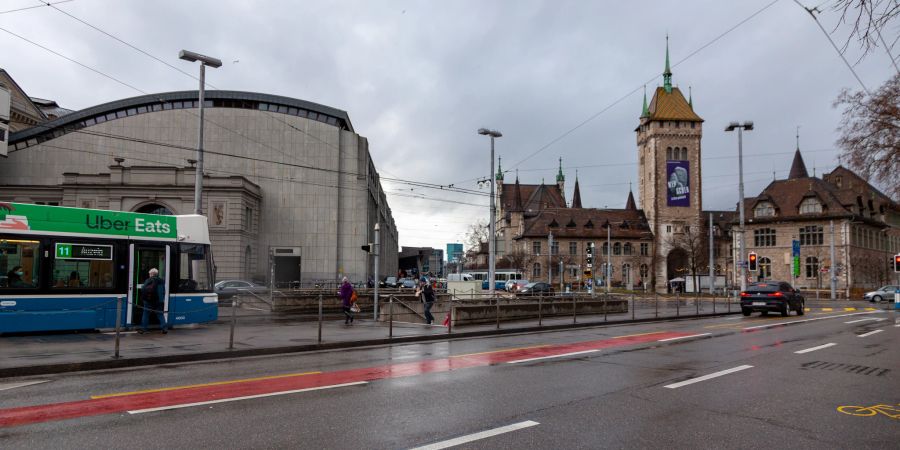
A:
(751, 262)
(589, 260)
(367, 248)
(897, 263)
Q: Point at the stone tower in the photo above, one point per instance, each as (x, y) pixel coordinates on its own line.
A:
(668, 142)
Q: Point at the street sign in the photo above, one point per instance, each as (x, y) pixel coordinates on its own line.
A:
(795, 257)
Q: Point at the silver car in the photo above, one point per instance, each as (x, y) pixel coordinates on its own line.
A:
(883, 293)
(228, 288)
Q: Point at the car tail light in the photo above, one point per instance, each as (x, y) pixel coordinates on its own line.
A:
(776, 294)
(745, 294)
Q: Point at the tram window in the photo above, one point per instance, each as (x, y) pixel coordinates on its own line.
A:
(194, 272)
(85, 274)
(19, 263)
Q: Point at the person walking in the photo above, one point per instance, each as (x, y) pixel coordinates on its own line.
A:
(428, 297)
(346, 294)
(152, 293)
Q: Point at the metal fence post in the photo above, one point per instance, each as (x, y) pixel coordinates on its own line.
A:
(391, 317)
(697, 301)
(540, 307)
(118, 324)
(656, 305)
(632, 306)
(450, 316)
(714, 303)
(605, 307)
(233, 320)
(497, 299)
(320, 318)
(677, 304)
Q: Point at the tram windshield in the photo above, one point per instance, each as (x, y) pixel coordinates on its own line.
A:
(195, 268)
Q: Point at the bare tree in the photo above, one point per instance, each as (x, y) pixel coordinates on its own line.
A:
(518, 259)
(694, 242)
(869, 20)
(870, 133)
(477, 234)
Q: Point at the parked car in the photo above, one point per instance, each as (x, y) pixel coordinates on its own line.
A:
(390, 282)
(515, 285)
(536, 288)
(406, 283)
(228, 288)
(883, 293)
(772, 296)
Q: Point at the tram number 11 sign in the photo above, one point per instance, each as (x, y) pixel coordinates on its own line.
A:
(83, 251)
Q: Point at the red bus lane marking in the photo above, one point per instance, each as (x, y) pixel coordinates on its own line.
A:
(148, 400)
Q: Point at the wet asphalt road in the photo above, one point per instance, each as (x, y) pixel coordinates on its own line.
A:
(616, 397)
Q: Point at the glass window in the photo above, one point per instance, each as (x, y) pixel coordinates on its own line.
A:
(131, 111)
(605, 248)
(765, 268)
(627, 249)
(810, 206)
(536, 270)
(764, 237)
(617, 249)
(669, 155)
(645, 249)
(19, 263)
(811, 235)
(764, 209)
(536, 247)
(85, 274)
(195, 270)
(573, 248)
(554, 248)
(283, 109)
(90, 122)
(644, 271)
(157, 107)
(812, 267)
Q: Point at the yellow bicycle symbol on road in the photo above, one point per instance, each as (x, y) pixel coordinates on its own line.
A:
(868, 411)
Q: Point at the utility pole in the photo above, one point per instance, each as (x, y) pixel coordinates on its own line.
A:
(833, 266)
(712, 271)
(377, 251)
(608, 255)
(491, 238)
(211, 62)
(550, 258)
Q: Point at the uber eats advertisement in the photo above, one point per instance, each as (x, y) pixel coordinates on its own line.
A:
(21, 216)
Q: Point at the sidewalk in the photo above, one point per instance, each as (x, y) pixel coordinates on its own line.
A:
(262, 333)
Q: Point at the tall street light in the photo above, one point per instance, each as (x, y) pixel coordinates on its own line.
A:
(493, 134)
(748, 125)
(214, 63)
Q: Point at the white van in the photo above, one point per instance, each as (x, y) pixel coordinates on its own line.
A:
(460, 277)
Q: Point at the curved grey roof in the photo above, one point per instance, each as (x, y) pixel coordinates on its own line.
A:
(211, 95)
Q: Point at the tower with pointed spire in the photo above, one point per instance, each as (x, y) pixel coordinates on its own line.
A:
(576, 196)
(669, 174)
(499, 178)
(561, 180)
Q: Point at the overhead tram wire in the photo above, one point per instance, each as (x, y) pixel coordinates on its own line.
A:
(620, 99)
(43, 4)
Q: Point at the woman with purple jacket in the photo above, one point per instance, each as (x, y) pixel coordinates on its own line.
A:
(346, 293)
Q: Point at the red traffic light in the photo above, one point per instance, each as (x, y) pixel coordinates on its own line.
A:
(897, 263)
(751, 262)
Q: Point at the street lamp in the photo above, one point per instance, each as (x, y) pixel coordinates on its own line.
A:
(214, 63)
(493, 134)
(748, 125)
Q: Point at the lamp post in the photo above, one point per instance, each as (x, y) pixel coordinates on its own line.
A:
(747, 125)
(493, 134)
(214, 63)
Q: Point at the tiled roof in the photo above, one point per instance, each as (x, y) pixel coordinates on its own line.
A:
(853, 187)
(798, 168)
(671, 106)
(626, 224)
(533, 196)
(786, 195)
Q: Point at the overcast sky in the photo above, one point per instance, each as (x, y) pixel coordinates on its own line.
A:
(418, 78)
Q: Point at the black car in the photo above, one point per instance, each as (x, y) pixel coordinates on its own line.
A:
(771, 296)
(536, 288)
(230, 288)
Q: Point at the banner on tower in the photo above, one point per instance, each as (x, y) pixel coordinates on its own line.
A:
(678, 181)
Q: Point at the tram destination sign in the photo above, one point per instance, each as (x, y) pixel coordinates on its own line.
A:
(83, 251)
(41, 218)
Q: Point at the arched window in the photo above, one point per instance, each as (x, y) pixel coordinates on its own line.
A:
(669, 155)
(765, 268)
(617, 249)
(812, 267)
(155, 208)
(645, 271)
(684, 153)
(764, 209)
(810, 205)
(536, 270)
(626, 272)
(627, 248)
(605, 248)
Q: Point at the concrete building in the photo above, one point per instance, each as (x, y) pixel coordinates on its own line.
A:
(280, 173)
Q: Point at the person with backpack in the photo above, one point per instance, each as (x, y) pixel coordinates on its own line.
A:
(347, 298)
(152, 293)
(427, 292)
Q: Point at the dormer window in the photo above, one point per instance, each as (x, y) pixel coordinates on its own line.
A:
(571, 224)
(764, 209)
(554, 224)
(810, 205)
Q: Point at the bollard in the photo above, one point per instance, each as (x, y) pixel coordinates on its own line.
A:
(656, 305)
(697, 303)
(540, 306)
(233, 319)
(391, 317)
(605, 307)
(574, 310)
(320, 318)
(118, 324)
(450, 316)
(632, 306)
(677, 305)
(498, 312)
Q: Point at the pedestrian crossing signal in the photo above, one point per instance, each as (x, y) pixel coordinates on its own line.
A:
(751, 262)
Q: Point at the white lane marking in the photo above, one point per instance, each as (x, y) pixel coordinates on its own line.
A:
(8, 386)
(551, 356)
(778, 324)
(877, 319)
(246, 397)
(683, 337)
(812, 349)
(707, 377)
(477, 436)
(870, 333)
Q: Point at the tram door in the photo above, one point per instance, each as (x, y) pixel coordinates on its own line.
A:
(143, 258)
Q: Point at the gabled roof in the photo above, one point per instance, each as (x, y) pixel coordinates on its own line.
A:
(627, 224)
(671, 106)
(534, 197)
(786, 195)
(798, 168)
